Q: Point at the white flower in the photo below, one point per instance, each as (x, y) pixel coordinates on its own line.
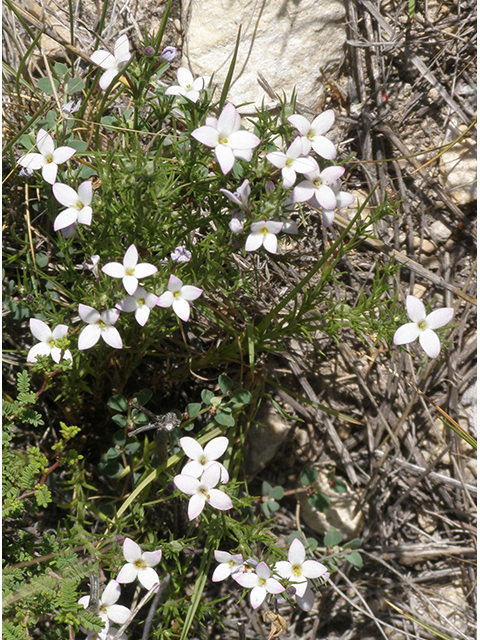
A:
(47, 345)
(107, 609)
(130, 271)
(291, 162)
(99, 325)
(240, 196)
(225, 137)
(77, 203)
(229, 565)
(203, 491)
(48, 157)
(263, 232)
(343, 198)
(422, 326)
(141, 302)
(259, 582)
(312, 134)
(237, 222)
(320, 185)
(202, 458)
(298, 570)
(139, 565)
(179, 297)
(187, 86)
(104, 59)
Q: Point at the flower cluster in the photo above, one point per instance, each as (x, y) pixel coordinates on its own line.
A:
(201, 475)
(139, 566)
(295, 574)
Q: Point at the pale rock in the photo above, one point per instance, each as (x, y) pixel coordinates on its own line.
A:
(458, 167)
(468, 405)
(426, 246)
(265, 436)
(426, 522)
(286, 42)
(340, 513)
(418, 290)
(439, 231)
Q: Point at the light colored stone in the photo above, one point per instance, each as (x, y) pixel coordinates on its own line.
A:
(340, 513)
(265, 436)
(468, 405)
(418, 290)
(427, 246)
(458, 167)
(439, 231)
(286, 42)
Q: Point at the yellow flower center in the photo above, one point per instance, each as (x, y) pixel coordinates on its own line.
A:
(141, 301)
(140, 564)
(79, 205)
(51, 342)
(129, 272)
(422, 325)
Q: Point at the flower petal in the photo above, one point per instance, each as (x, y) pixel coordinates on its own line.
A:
(206, 135)
(439, 317)
(45, 143)
(430, 343)
(104, 59)
(196, 505)
(257, 596)
(62, 154)
(277, 158)
(142, 314)
(40, 330)
(148, 577)
(296, 553)
(33, 161)
(106, 78)
(85, 192)
(243, 140)
(128, 573)
(184, 77)
(221, 572)
(246, 580)
(131, 550)
(114, 270)
(323, 122)
(118, 613)
(406, 333)
(181, 308)
(152, 558)
(130, 283)
(324, 147)
(326, 197)
(130, 258)
(304, 191)
(111, 594)
(187, 484)
(313, 569)
(189, 292)
(84, 216)
(219, 500)
(49, 172)
(121, 50)
(216, 447)
(300, 123)
(225, 157)
(415, 309)
(88, 314)
(112, 337)
(166, 299)
(65, 218)
(193, 468)
(270, 242)
(254, 241)
(192, 448)
(89, 336)
(40, 349)
(145, 269)
(228, 120)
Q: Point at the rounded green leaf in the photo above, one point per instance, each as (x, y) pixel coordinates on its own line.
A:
(225, 419)
(120, 420)
(354, 558)
(225, 383)
(193, 409)
(276, 493)
(118, 403)
(242, 396)
(308, 476)
(143, 396)
(332, 537)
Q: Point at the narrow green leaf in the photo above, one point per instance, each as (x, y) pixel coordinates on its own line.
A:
(228, 79)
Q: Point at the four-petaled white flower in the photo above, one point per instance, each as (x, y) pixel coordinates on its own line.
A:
(291, 162)
(47, 345)
(203, 491)
(422, 326)
(107, 609)
(229, 565)
(240, 196)
(99, 324)
(343, 198)
(318, 184)
(225, 137)
(77, 203)
(298, 570)
(48, 157)
(130, 271)
(187, 86)
(141, 302)
(202, 458)
(259, 582)
(179, 297)
(104, 59)
(312, 134)
(263, 232)
(139, 565)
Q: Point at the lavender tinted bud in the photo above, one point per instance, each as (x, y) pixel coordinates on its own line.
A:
(181, 255)
(237, 222)
(26, 172)
(169, 53)
(149, 51)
